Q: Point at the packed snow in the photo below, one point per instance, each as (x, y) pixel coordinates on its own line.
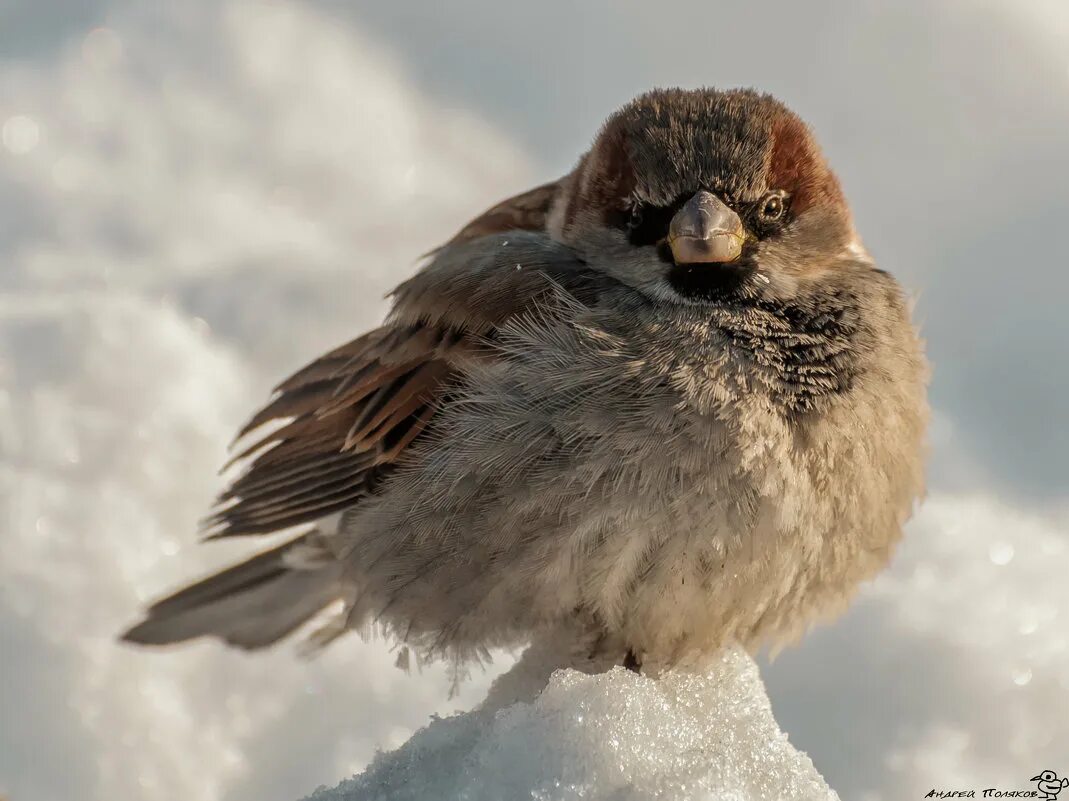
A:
(612, 736)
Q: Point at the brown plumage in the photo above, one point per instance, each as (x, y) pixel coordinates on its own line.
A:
(664, 403)
(353, 411)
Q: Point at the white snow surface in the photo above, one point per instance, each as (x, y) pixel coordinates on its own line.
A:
(612, 736)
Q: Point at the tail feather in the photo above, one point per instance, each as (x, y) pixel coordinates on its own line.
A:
(250, 605)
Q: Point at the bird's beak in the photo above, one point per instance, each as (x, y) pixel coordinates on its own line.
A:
(705, 230)
(1035, 778)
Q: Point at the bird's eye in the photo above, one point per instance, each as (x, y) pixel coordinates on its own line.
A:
(773, 207)
(647, 224)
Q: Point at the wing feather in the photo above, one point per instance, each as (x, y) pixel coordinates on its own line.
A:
(333, 430)
(344, 419)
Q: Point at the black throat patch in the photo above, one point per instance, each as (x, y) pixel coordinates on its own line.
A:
(805, 353)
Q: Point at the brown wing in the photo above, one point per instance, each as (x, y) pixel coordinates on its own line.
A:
(333, 430)
(348, 415)
(523, 212)
(342, 420)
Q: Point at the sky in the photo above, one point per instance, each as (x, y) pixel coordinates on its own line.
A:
(197, 198)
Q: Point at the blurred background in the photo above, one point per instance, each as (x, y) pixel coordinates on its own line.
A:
(197, 197)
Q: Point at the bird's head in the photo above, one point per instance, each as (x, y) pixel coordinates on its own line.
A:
(705, 195)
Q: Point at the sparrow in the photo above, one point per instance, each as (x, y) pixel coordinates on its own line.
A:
(665, 403)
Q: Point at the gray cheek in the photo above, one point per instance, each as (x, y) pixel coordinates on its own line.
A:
(608, 250)
(775, 276)
(642, 270)
(592, 238)
(816, 235)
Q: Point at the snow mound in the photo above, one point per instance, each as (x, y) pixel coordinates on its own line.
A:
(615, 735)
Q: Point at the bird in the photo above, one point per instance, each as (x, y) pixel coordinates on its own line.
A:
(1049, 784)
(665, 404)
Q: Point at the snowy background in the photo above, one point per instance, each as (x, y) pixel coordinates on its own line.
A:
(197, 197)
